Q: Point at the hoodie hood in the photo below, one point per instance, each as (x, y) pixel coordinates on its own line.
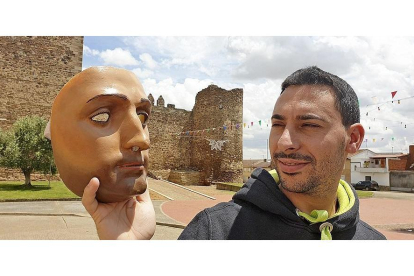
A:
(262, 191)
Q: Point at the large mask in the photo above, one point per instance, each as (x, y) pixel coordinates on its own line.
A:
(99, 128)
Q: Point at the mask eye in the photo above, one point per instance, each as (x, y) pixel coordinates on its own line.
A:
(143, 117)
(101, 117)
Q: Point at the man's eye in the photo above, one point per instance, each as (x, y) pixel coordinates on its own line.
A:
(143, 117)
(101, 117)
(310, 125)
(277, 125)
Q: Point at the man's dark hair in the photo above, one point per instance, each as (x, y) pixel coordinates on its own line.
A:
(346, 101)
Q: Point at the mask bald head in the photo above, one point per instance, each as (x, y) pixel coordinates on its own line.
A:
(97, 118)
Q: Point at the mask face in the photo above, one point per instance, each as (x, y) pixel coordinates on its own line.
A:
(99, 129)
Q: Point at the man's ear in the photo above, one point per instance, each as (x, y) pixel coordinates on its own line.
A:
(356, 133)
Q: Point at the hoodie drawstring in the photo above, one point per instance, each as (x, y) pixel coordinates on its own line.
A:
(346, 200)
(319, 216)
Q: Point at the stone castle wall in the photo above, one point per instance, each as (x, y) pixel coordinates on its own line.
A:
(168, 151)
(179, 137)
(32, 72)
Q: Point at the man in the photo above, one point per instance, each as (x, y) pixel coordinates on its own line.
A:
(315, 124)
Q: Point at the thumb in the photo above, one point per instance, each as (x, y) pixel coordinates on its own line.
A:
(89, 196)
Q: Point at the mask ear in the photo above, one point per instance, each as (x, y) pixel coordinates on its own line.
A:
(47, 131)
(356, 133)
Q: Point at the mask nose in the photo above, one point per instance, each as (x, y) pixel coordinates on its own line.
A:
(134, 135)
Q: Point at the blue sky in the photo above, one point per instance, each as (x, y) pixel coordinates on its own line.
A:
(179, 67)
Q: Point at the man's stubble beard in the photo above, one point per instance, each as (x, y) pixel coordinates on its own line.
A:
(318, 182)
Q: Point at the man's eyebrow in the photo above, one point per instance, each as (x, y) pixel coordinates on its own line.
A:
(300, 117)
(310, 117)
(278, 117)
(122, 96)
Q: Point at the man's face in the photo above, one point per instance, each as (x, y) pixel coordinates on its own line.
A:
(308, 140)
(98, 128)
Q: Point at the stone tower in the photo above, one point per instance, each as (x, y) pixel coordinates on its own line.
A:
(223, 110)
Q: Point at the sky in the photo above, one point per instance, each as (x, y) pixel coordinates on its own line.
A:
(179, 67)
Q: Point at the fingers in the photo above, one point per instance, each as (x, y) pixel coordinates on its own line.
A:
(89, 193)
(131, 203)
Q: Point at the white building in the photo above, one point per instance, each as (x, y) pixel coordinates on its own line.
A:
(368, 165)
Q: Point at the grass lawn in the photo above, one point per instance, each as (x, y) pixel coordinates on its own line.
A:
(364, 194)
(13, 190)
(234, 184)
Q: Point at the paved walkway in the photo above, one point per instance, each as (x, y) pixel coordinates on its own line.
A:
(65, 220)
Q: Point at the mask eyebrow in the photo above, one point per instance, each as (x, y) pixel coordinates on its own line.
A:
(121, 96)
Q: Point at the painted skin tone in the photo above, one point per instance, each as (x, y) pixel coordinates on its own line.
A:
(97, 118)
(102, 114)
(309, 145)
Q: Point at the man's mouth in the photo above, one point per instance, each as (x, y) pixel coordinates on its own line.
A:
(291, 165)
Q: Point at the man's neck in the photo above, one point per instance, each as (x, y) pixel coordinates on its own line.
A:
(307, 203)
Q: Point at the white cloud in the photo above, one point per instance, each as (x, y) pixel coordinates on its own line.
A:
(209, 71)
(180, 94)
(254, 153)
(148, 60)
(142, 73)
(118, 57)
(259, 100)
(89, 52)
(278, 57)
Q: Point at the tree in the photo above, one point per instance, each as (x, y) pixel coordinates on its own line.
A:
(24, 147)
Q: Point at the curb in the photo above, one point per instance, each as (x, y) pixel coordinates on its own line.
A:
(44, 199)
(171, 225)
(45, 215)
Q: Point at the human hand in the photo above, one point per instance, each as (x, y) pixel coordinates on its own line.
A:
(130, 219)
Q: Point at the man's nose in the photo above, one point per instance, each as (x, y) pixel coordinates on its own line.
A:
(134, 134)
(288, 140)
